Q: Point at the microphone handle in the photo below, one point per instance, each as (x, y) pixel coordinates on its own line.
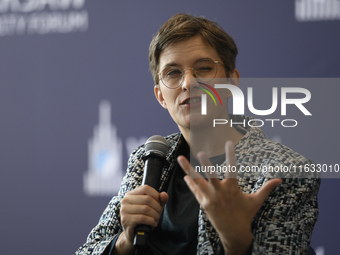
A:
(152, 174)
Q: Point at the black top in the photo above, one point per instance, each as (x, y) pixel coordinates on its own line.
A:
(176, 232)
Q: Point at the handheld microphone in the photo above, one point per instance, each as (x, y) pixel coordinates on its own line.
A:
(156, 148)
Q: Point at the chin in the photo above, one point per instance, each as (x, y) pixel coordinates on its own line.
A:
(200, 122)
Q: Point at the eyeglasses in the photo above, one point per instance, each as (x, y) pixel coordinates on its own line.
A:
(204, 70)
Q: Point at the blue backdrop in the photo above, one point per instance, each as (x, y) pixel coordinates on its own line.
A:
(76, 96)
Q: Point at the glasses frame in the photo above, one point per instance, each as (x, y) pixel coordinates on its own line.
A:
(193, 70)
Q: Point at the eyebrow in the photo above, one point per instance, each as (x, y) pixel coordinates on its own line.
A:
(175, 64)
(170, 64)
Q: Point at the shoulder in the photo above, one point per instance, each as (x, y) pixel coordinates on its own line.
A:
(257, 149)
(260, 159)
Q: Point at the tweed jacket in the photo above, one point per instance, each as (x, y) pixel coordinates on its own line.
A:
(283, 225)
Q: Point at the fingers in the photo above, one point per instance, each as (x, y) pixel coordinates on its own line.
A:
(135, 215)
(143, 205)
(187, 168)
(231, 160)
(193, 184)
(205, 161)
(144, 196)
(195, 187)
(195, 177)
(184, 163)
(130, 220)
(230, 174)
(145, 190)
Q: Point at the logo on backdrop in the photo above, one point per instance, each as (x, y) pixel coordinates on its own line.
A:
(315, 10)
(105, 156)
(42, 17)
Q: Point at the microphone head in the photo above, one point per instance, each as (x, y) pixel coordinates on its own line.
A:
(157, 145)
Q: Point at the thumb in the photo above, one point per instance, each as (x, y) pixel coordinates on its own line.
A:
(264, 191)
(163, 198)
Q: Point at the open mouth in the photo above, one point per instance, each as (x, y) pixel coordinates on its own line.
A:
(192, 100)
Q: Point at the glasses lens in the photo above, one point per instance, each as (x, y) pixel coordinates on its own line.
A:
(205, 70)
(172, 76)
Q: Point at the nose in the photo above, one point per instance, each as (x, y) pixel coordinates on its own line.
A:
(188, 75)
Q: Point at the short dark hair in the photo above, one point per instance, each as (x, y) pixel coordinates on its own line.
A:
(184, 26)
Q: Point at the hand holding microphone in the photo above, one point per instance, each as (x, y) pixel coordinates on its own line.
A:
(142, 207)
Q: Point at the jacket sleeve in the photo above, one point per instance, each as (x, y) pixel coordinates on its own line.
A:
(285, 222)
(109, 225)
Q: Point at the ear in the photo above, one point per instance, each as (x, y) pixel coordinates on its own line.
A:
(235, 75)
(234, 80)
(159, 96)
